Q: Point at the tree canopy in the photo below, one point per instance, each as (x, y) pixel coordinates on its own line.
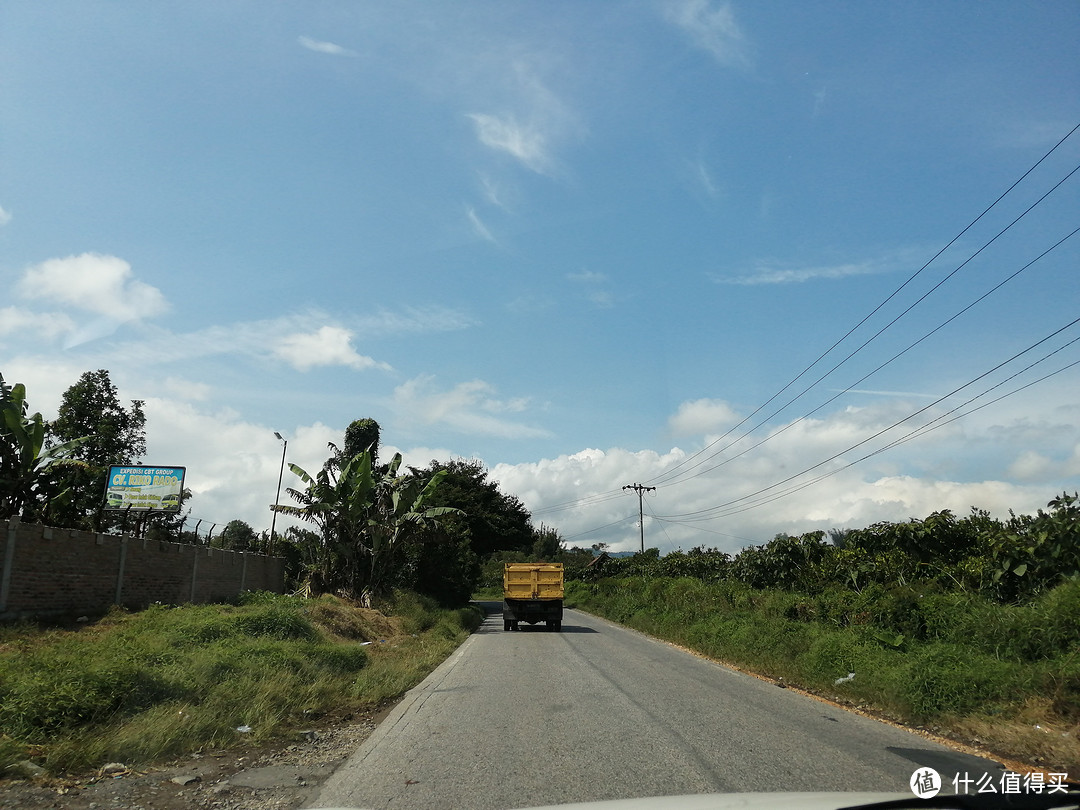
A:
(115, 436)
(492, 520)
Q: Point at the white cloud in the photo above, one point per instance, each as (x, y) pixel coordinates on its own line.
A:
(523, 142)
(311, 338)
(94, 283)
(325, 47)
(701, 174)
(232, 464)
(48, 325)
(187, 389)
(702, 417)
(469, 407)
(328, 346)
(414, 320)
(769, 274)
(494, 192)
(478, 225)
(587, 277)
(581, 494)
(5, 217)
(711, 28)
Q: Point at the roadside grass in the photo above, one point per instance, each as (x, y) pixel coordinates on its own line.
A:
(143, 687)
(1005, 677)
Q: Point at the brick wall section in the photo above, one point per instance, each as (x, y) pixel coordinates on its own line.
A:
(46, 571)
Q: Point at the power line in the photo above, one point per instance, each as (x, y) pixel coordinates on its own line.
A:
(598, 528)
(867, 376)
(713, 511)
(666, 476)
(673, 475)
(903, 439)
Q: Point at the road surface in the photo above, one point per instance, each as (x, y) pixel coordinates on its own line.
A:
(597, 712)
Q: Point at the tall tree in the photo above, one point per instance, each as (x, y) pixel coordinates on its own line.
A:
(237, 536)
(116, 436)
(493, 520)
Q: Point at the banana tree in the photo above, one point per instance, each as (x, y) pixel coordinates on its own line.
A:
(25, 461)
(398, 514)
(364, 515)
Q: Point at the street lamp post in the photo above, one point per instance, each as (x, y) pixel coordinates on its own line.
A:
(277, 497)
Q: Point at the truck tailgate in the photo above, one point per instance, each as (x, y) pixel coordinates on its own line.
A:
(533, 581)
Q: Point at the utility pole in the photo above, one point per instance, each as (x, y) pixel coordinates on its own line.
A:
(640, 489)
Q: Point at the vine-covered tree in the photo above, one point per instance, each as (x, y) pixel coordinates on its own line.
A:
(361, 435)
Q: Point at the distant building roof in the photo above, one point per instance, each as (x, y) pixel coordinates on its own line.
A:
(599, 560)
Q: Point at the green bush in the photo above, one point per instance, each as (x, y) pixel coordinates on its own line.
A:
(276, 621)
(947, 679)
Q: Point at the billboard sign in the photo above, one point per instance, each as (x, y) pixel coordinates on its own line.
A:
(145, 489)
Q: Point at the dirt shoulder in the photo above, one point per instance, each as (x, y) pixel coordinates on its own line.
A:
(282, 776)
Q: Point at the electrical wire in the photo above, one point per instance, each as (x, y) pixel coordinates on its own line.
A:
(714, 511)
(908, 437)
(666, 479)
(598, 528)
(867, 376)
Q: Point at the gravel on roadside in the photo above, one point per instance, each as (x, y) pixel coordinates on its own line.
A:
(281, 776)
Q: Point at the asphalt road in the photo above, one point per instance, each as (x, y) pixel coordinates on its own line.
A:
(597, 712)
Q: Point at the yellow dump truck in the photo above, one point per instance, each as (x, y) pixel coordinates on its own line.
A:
(533, 593)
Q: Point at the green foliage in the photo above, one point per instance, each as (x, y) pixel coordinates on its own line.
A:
(1031, 554)
(367, 517)
(490, 519)
(236, 536)
(151, 685)
(115, 436)
(159, 656)
(439, 564)
(362, 435)
(950, 679)
(28, 486)
(1011, 562)
(547, 545)
(918, 652)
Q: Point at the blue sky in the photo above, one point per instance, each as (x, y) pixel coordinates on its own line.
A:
(579, 241)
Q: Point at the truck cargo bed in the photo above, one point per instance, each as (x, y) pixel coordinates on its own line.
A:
(532, 593)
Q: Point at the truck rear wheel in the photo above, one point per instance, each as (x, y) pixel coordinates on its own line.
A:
(506, 625)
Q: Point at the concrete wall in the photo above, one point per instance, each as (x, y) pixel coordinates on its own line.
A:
(50, 572)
